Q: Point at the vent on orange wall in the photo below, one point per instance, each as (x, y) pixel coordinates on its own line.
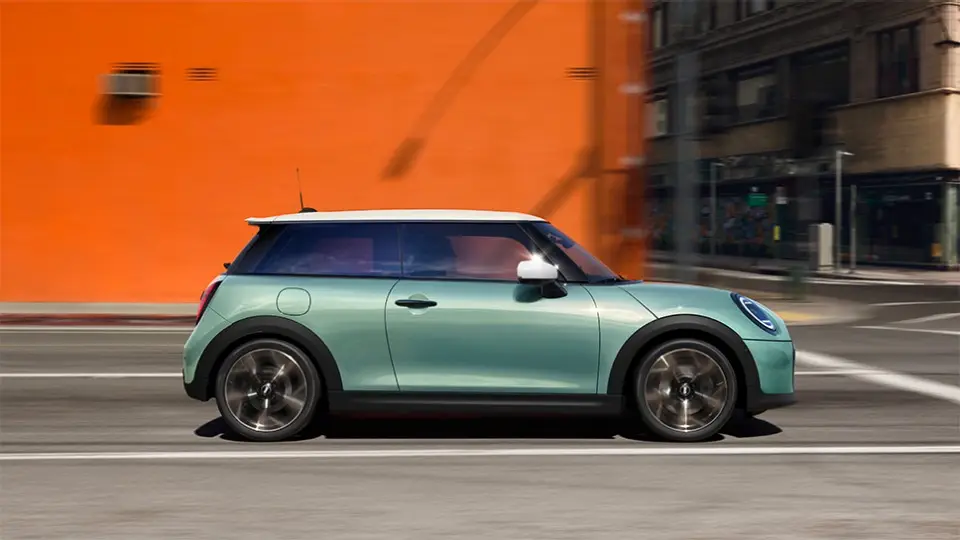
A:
(132, 80)
(582, 73)
(202, 74)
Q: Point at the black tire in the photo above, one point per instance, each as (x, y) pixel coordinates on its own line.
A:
(713, 422)
(307, 381)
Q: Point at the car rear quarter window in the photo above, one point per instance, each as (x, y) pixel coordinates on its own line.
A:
(482, 251)
(327, 249)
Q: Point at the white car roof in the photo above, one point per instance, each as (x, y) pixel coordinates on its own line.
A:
(395, 215)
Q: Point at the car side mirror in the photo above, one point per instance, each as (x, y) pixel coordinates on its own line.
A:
(537, 272)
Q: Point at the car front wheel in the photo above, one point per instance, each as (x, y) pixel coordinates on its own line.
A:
(686, 390)
(267, 390)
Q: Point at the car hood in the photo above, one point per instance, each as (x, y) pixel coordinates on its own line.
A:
(666, 299)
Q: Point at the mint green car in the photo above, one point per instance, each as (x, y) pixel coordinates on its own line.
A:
(469, 312)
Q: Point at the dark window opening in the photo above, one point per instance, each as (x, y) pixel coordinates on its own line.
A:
(898, 61)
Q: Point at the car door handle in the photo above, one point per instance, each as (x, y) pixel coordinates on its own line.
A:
(411, 303)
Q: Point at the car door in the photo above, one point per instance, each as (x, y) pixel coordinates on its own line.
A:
(458, 320)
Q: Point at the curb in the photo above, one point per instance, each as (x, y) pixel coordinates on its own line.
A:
(784, 272)
(89, 319)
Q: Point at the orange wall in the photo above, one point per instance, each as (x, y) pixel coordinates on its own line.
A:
(147, 212)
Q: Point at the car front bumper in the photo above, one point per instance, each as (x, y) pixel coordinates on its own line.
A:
(776, 375)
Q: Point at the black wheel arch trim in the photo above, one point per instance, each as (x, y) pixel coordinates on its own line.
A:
(673, 323)
(263, 326)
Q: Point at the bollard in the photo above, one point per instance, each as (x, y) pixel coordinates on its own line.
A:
(797, 283)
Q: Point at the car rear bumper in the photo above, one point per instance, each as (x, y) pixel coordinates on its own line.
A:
(195, 376)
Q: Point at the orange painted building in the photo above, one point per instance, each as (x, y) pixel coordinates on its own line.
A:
(379, 104)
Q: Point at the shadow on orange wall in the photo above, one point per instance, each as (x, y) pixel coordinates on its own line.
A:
(408, 150)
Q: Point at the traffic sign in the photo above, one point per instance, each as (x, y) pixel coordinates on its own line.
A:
(756, 199)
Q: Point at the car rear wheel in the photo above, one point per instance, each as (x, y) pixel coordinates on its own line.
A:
(268, 390)
(686, 390)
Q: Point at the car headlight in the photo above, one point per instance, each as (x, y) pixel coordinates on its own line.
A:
(756, 313)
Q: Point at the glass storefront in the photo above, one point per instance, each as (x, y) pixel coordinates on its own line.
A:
(746, 216)
(896, 224)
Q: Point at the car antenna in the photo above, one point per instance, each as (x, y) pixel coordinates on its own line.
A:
(300, 190)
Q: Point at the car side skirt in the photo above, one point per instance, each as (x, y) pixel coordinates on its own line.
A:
(480, 404)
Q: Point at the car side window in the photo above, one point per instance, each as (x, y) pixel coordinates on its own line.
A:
(334, 249)
(482, 251)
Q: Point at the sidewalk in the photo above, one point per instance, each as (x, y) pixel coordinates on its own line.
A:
(662, 260)
(99, 314)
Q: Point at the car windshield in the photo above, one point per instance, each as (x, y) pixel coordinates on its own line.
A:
(595, 270)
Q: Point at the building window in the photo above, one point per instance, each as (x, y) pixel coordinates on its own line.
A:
(757, 95)
(659, 36)
(749, 8)
(716, 100)
(898, 61)
(822, 75)
(706, 15)
(658, 116)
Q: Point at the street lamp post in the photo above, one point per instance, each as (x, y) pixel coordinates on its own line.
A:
(837, 222)
(713, 206)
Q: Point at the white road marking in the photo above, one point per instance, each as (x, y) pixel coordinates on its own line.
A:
(921, 330)
(835, 373)
(927, 303)
(930, 318)
(900, 381)
(52, 329)
(55, 375)
(665, 451)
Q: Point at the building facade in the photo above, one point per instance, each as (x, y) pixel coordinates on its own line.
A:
(784, 85)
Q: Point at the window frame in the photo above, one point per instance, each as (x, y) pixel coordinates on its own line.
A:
(748, 73)
(888, 65)
(267, 236)
(574, 272)
(654, 113)
(659, 26)
(563, 266)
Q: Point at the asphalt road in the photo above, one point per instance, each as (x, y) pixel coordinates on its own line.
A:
(355, 494)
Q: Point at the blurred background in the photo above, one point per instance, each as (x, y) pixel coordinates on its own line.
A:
(136, 137)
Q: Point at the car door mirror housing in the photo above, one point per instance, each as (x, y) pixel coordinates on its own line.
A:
(537, 271)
